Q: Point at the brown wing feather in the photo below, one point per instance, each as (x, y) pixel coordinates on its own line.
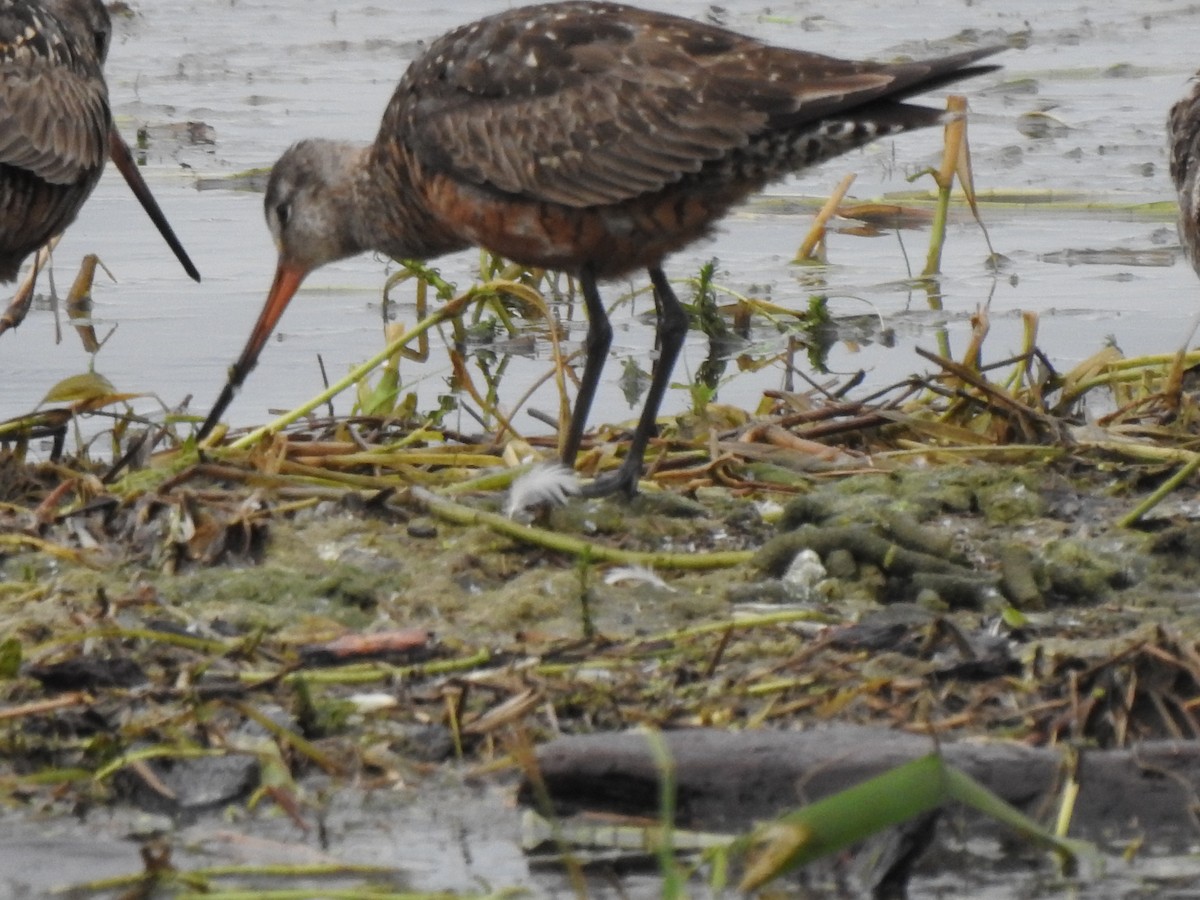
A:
(581, 110)
(585, 104)
(54, 119)
(54, 115)
(53, 124)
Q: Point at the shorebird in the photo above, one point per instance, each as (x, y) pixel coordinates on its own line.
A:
(591, 138)
(56, 128)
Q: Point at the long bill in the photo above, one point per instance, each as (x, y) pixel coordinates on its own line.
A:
(288, 278)
(118, 151)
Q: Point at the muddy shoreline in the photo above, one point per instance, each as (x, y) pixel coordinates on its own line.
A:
(361, 639)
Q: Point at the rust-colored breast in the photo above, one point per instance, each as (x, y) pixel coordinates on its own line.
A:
(612, 239)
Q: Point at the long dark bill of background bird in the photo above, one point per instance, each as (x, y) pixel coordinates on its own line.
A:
(122, 158)
(592, 138)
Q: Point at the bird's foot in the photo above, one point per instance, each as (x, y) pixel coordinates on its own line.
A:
(623, 481)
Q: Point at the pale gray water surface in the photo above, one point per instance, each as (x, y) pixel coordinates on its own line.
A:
(262, 73)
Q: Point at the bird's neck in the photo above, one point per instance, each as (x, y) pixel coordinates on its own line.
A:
(400, 223)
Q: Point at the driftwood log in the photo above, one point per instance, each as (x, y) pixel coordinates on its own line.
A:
(727, 781)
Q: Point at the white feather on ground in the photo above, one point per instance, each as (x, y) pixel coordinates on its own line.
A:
(636, 575)
(550, 484)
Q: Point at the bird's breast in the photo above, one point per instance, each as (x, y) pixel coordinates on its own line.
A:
(612, 239)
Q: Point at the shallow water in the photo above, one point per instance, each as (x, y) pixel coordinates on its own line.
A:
(262, 74)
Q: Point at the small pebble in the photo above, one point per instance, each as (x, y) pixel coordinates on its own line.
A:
(422, 528)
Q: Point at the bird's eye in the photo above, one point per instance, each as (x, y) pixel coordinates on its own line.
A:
(282, 212)
(101, 38)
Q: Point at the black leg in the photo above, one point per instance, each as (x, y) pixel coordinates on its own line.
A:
(672, 329)
(599, 339)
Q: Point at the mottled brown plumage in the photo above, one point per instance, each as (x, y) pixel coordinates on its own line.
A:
(55, 125)
(592, 138)
(1183, 144)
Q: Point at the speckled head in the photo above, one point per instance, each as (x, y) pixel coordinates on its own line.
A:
(311, 203)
